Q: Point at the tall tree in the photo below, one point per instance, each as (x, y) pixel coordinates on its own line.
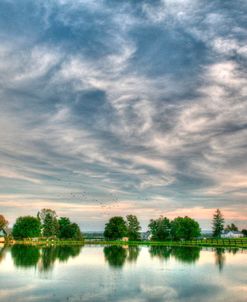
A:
(116, 228)
(64, 228)
(185, 228)
(3, 223)
(48, 219)
(26, 227)
(231, 227)
(50, 226)
(218, 223)
(42, 214)
(133, 228)
(160, 228)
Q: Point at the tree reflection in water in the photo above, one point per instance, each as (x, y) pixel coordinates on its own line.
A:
(162, 252)
(31, 256)
(3, 250)
(62, 253)
(116, 256)
(25, 256)
(220, 257)
(187, 254)
(183, 254)
(133, 253)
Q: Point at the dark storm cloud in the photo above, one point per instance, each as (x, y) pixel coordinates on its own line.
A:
(143, 100)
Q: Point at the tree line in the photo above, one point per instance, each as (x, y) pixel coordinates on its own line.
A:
(46, 224)
(163, 228)
(160, 229)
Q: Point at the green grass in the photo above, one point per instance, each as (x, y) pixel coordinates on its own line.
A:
(239, 242)
(204, 242)
(46, 242)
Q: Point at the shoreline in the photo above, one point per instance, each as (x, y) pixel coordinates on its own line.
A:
(221, 243)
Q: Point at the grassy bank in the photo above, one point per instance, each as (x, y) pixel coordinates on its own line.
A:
(46, 242)
(241, 243)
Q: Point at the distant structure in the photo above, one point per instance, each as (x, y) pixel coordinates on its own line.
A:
(125, 239)
(232, 234)
(2, 236)
(146, 235)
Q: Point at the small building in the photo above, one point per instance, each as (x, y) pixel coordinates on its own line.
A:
(232, 234)
(125, 239)
(2, 236)
(146, 236)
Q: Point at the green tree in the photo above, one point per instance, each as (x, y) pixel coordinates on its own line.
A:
(3, 223)
(50, 226)
(116, 228)
(160, 228)
(76, 232)
(218, 223)
(48, 219)
(185, 228)
(133, 228)
(42, 214)
(244, 232)
(26, 227)
(231, 227)
(68, 230)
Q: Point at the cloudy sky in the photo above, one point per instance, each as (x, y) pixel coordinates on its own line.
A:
(115, 107)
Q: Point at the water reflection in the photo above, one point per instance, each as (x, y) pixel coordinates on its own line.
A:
(220, 256)
(89, 278)
(25, 256)
(182, 254)
(44, 258)
(117, 255)
(3, 250)
(162, 252)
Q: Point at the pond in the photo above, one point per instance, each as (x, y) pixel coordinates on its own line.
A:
(116, 273)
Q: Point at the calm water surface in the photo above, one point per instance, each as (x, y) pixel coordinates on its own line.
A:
(95, 273)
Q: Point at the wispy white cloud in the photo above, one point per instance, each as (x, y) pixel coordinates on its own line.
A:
(144, 99)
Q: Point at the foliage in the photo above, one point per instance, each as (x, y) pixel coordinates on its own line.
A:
(42, 214)
(160, 228)
(244, 232)
(218, 223)
(26, 227)
(50, 226)
(133, 228)
(231, 227)
(3, 223)
(48, 219)
(116, 228)
(185, 228)
(68, 230)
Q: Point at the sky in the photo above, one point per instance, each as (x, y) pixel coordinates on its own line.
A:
(123, 107)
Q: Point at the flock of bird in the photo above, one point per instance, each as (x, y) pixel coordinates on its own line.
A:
(106, 204)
